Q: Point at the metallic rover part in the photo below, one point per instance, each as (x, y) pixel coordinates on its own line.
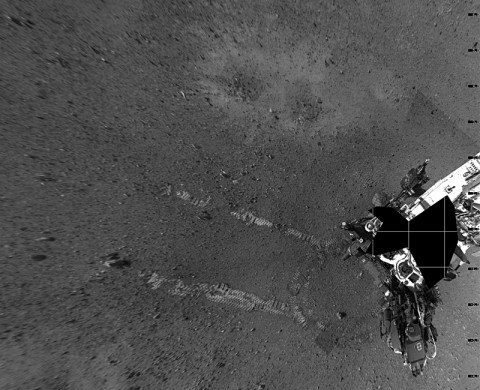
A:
(409, 303)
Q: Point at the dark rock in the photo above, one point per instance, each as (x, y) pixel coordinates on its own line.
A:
(118, 263)
(341, 315)
(45, 239)
(45, 177)
(38, 257)
(225, 174)
(205, 216)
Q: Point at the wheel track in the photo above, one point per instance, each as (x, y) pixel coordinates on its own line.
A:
(298, 286)
(249, 217)
(220, 293)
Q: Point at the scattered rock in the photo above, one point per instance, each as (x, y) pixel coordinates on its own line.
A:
(341, 315)
(118, 263)
(115, 261)
(21, 21)
(45, 177)
(224, 174)
(205, 216)
(38, 257)
(45, 239)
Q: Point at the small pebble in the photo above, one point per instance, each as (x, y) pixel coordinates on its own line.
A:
(204, 216)
(341, 315)
(45, 239)
(118, 263)
(224, 174)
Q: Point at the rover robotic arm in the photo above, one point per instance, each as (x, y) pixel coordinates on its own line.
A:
(409, 302)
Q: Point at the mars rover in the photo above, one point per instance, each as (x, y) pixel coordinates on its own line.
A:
(417, 238)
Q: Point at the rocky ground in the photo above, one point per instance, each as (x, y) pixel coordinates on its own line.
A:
(174, 173)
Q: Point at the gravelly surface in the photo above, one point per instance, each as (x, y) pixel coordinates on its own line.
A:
(137, 136)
